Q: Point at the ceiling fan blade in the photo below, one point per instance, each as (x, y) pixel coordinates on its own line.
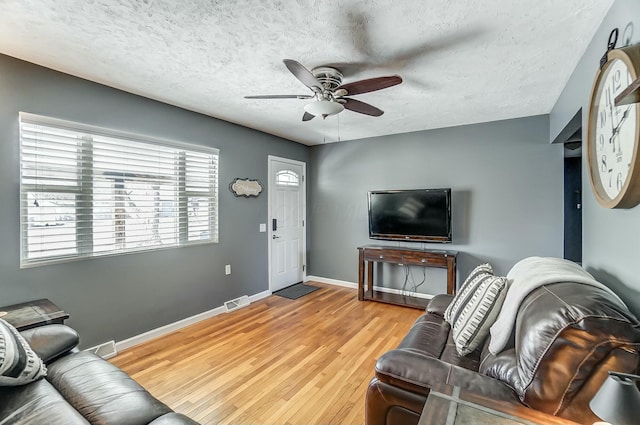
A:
(372, 84)
(351, 68)
(280, 96)
(436, 44)
(302, 74)
(357, 22)
(362, 108)
(307, 116)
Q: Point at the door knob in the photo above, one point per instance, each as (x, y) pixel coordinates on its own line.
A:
(275, 237)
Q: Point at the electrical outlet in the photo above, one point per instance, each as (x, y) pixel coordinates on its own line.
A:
(227, 269)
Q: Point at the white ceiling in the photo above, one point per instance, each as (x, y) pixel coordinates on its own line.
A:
(463, 61)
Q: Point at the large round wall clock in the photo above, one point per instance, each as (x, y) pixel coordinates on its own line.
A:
(614, 132)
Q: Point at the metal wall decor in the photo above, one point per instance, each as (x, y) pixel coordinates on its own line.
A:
(246, 188)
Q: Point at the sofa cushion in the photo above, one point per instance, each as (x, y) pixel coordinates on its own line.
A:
(431, 336)
(101, 392)
(36, 403)
(428, 335)
(451, 355)
(565, 333)
(19, 365)
(525, 276)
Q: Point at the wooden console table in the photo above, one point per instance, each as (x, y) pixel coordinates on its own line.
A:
(371, 254)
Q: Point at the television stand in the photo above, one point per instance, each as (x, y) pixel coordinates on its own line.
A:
(370, 254)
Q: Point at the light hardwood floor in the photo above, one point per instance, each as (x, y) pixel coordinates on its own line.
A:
(277, 361)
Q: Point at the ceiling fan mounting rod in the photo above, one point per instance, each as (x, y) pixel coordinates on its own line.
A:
(330, 78)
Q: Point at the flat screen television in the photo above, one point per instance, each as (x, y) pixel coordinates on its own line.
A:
(421, 215)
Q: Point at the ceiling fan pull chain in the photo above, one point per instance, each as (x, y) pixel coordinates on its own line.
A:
(324, 131)
(611, 44)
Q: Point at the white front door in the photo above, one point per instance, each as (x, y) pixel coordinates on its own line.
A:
(286, 222)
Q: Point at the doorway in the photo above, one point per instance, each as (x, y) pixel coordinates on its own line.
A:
(573, 208)
(287, 212)
(571, 138)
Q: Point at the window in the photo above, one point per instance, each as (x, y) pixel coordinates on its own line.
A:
(287, 178)
(87, 192)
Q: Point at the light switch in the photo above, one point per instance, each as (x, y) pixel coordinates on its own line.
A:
(263, 227)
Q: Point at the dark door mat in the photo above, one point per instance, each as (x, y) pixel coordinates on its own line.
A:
(296, 291)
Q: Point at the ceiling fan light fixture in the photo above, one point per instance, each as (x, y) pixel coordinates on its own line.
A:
(323, 108)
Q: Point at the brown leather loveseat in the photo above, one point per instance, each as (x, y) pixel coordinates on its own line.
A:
(567, 336)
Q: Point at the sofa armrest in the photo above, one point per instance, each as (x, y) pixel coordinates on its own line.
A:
(417, 373)
(411, 370)
(51, 341)
(439, 303)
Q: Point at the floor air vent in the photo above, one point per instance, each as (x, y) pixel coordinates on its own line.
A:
(106, 350)
(231, 305)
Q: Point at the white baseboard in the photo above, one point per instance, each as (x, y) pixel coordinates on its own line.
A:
(331, 281)
(172, 327)
(401, 292)
(259, 295)
(166, 329)
(377, 288)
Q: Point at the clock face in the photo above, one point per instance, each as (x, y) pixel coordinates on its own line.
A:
(615, 130)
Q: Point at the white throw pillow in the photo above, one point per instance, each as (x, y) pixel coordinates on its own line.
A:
(475, 307)
(472, 322)
(19, 365)
(466, 290)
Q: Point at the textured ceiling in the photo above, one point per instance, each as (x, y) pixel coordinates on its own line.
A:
(462, 62)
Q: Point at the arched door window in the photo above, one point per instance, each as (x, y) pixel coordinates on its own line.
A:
(287, 178)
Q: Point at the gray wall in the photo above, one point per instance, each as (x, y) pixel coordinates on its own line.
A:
(611, 238)
(119, 297)
(506, 182)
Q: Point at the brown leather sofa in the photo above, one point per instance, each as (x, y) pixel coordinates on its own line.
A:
(566, 338)
(80, 388)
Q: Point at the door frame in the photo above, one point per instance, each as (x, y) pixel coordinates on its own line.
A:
(270, 191)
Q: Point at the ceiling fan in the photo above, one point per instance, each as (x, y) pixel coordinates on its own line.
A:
(329, 94)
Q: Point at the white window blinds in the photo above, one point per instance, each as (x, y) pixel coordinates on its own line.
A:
(86, 192)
